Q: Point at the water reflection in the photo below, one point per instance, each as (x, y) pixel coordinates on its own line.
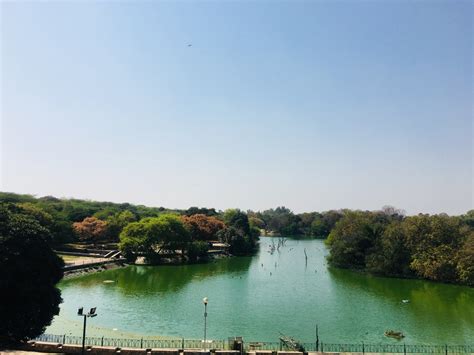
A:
(256, 297)
(418, 292)
(439, 310)
(137, 279)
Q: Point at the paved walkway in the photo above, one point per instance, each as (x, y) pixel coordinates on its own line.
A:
(85, 260)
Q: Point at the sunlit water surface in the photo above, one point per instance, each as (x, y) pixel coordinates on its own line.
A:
(258, 297)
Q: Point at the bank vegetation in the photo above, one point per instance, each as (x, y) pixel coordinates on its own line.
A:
(384, 242)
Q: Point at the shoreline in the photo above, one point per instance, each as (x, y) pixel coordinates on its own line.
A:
(94, 269)
(95, 331)
(87, 270)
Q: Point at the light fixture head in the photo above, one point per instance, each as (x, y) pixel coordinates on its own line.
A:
(205, 300)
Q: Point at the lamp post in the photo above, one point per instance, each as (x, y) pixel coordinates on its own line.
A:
(80, 312)
(205, 300)
(317, 338)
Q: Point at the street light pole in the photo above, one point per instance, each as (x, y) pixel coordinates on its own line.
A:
(205, 300)
(80, 312)
(84, 334)
(317, 338)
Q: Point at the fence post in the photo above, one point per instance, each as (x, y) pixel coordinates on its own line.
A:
(216, 345)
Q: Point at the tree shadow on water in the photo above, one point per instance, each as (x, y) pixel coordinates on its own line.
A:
(429, 303)
(138, 279)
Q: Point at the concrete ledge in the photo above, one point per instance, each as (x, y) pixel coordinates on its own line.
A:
(289, 353)
(165, 351)
(53, 347)
(71, 349)
(73, 253)
(92, 264)
(97, 350)
(196, 352)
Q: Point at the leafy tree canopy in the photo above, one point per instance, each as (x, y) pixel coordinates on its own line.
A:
(437, 247)
(91, 229)
(203, 227)
(152, 236)
(196, 210)
(236, 218)
(29, 271)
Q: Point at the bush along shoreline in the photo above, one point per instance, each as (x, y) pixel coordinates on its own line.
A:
(385, 242)
(432, 247)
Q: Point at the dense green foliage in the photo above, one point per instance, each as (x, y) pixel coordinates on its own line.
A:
(196, 210)
(59, 215)
(437, 247)
(29, 271)
(282, 221)
(188, 236)
(239, 234)
(65, 212)
(153, 237)
(385, 242)
(73, 220)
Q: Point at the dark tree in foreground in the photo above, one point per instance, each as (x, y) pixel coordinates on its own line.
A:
(29, 271)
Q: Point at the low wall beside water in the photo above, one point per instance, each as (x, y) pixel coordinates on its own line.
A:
(77, 349)
(59, 348)
(92, 264)
(230, 346)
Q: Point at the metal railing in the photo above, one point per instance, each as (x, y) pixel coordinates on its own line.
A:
(135, 342)
(390, 348)
(181, 343)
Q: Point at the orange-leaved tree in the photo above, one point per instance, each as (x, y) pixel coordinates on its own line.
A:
(90, 229)
(203, 227)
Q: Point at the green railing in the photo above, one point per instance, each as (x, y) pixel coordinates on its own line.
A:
(181, 343)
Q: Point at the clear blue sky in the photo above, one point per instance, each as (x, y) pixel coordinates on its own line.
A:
(313, 105)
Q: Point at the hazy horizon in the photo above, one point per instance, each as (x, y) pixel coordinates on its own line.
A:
(399, 208)
(312, 105)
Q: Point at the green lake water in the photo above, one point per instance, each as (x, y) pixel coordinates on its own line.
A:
(258, 297)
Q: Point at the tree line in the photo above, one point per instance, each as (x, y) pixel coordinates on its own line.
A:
(155, 238)
(71, 220)
(434, 247)
(152, 232)
(385, 242)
